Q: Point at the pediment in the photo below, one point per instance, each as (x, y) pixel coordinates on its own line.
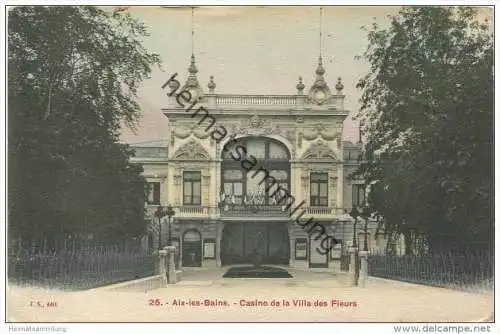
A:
(192, 150)
(319, 151)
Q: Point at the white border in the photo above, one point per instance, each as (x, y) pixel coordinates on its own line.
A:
(222, 328)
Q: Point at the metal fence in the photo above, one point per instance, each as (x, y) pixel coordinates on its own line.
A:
(75, 268)
(467, 272)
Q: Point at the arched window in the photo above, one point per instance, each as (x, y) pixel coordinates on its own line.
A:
(272, 167)
(192, 236)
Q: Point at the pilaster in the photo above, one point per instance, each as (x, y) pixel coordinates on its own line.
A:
(291, 236)
(219, 228)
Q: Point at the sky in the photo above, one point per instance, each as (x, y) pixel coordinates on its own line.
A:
(253, 50)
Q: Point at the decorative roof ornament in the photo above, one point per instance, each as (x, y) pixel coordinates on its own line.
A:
(211, 85)
(192, 66)
(319, 92)
(192, 85)
(339, 86)
(320, 70)
(300, 86)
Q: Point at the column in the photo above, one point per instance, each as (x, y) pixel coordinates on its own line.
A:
(205, 189)
(162, 267)
(219, 228)
(181, 237)
(304, 178)
(340, 185)
(352, 267)
(177, 189)
(171, 271)
(291, 235)
(217, 184)
(363, 270)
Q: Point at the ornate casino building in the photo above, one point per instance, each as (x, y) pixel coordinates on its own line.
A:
(225, 213)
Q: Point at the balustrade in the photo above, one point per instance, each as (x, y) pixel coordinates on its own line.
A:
(236, 210)
(230, 210)
(256, 99)
(321, 211)
(276, 100)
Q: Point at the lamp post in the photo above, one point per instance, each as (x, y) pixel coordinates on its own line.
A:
(343, 237)
(354, 263)
(354, 214)
(170, 213)
(366, 215)
(159, 213)
(344, 256)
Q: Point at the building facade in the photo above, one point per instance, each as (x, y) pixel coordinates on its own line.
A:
(241, 170)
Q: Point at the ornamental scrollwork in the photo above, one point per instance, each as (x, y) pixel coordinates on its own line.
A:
(318, 131)
(185, 132)
(255, 126)
(319, 151)
(191, 151)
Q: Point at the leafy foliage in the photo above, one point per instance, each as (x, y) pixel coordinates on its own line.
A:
(427, 110)
(73, 74)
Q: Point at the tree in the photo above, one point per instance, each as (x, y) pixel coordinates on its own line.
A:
(427, 110)
(72, 81)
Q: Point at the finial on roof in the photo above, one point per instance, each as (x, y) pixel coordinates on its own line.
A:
(320, 31)
(339, 86)
(300, 86)
(192, 67)
(319, 93)
(320, 70)
(192, 30)
(211, 85)
(192, 84)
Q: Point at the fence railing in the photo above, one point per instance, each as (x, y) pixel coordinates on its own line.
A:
(78, 268)
(469, 272)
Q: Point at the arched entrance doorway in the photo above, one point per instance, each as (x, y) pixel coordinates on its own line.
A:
(252, 195)
(191, 248)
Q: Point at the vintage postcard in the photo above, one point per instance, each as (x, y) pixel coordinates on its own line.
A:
(183, 164)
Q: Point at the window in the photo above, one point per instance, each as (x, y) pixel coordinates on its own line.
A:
(233, 185)
(358, 195)
(319, 189)
(192, 188)
(277, 152)
(273, 159)
(153, 193)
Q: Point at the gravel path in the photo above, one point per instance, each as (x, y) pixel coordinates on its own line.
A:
(247, 300)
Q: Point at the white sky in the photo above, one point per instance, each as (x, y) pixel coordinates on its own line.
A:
(254, 50)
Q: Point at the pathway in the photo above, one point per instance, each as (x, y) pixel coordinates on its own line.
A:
(203, 296)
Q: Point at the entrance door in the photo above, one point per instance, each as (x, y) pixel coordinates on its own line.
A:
(316, 259)
(242, 242)
(255, 242)
(278, 249)
(191, 249)
(232, 244)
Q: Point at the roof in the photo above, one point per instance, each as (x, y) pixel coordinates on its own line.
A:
(152, 149)
(149, 143)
